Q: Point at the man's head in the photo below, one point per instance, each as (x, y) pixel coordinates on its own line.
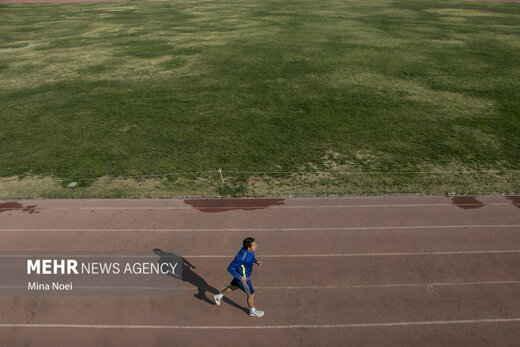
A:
(249, 244)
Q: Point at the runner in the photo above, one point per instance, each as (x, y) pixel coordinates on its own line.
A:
(241, 268)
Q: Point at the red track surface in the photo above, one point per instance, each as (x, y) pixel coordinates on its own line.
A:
(389, 271)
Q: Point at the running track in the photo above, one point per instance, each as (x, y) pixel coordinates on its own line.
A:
(386, 271)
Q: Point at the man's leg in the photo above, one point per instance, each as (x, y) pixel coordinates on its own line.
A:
(251, 301)
(250, 291)
(228, 289)
(219, 296)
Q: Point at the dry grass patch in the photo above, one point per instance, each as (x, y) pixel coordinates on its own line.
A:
(104, 187)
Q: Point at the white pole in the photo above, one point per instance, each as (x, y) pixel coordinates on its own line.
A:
(221, 177)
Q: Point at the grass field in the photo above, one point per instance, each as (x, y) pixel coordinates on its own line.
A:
(150, 98)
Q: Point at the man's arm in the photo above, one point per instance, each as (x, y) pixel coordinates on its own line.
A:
(257, 262)
(233, 267)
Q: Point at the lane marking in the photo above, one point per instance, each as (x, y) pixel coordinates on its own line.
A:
(362, 254)
(170, 289)
(355, 286)
(304, 206)
(228, 327)
(397, 285)
(255, 207)
(174, 255)
(280, 229)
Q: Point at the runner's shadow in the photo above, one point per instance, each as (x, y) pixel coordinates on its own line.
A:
(191, 277)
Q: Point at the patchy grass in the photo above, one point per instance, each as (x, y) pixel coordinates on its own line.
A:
(266, 90)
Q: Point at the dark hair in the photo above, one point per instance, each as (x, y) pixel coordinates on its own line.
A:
(248, 241)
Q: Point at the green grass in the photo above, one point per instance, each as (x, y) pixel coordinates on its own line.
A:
(321, 90)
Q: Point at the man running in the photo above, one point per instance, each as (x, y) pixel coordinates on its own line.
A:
(241, 268)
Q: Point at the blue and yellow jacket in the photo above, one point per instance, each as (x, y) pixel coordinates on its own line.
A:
(242, 265)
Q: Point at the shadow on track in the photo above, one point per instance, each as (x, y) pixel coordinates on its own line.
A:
(191, 277)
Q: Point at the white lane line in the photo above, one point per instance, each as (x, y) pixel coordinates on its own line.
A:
(290, 207)
(230, 327)
(170, 289)
(294, 206)
(280, 229)
(356, 286)
(254, 207)
(362, 254)
(397, 285)
(71, 254)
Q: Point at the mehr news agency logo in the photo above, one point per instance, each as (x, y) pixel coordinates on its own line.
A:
(119, 273)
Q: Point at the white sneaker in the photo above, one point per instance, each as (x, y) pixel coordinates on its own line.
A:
(257, 313)
(217, 299)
